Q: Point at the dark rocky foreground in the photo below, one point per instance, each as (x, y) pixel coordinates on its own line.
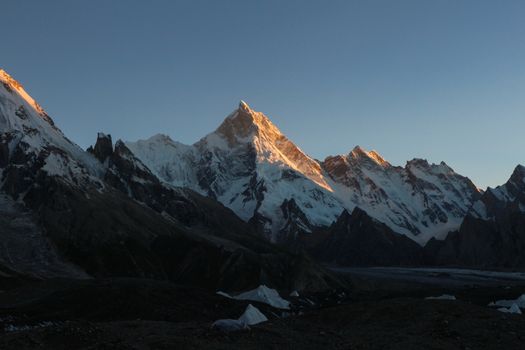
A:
(378, 313)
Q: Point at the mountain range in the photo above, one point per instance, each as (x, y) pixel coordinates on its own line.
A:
(242, 206)
(248, 165)
(66, 212)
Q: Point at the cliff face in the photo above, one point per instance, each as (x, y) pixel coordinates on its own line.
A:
(493, 232)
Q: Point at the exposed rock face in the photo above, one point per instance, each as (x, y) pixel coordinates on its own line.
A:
(108, 234)
(493, 232)
(358, 240)
(103, 147)
(296, 221)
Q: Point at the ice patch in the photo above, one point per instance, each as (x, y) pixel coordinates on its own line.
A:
(226, 295)
(261, 294)
(513, 309)
(265, 295)
(252, 316)
(520, 302)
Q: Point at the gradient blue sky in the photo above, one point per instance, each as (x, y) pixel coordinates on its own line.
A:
(441, 80)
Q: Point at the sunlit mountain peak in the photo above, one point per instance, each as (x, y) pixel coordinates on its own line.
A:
(359, 153)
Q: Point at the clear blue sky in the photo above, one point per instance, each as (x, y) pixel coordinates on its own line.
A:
(441, 80)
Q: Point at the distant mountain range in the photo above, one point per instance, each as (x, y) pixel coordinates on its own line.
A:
(248, 165)
(240, 207)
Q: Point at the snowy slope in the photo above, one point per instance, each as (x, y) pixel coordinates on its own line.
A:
(251, 167)
(27, 132)
(168, 159)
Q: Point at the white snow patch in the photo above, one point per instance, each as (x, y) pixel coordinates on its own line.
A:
(252, 316)
(261, 294)
(520, 302)
(479, 210)
(226, 295)
(265, 295)
(513, 309)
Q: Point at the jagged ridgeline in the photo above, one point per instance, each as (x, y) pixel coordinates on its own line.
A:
(225, 211)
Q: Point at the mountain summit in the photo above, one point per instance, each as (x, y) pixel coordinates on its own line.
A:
(242, 123)
(245, 126)
(250, 166)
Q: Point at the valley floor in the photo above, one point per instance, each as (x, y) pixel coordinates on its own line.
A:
(380, 312)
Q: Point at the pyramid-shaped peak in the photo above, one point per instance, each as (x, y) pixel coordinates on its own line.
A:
(244, 121)
(360, 153)
(248, 127)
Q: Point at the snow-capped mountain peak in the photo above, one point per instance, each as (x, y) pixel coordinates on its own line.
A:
(245, 127)
(248, 165)
(28, 132)
(243, 123)
(421, 200)
(11, 84)
(360, 154)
